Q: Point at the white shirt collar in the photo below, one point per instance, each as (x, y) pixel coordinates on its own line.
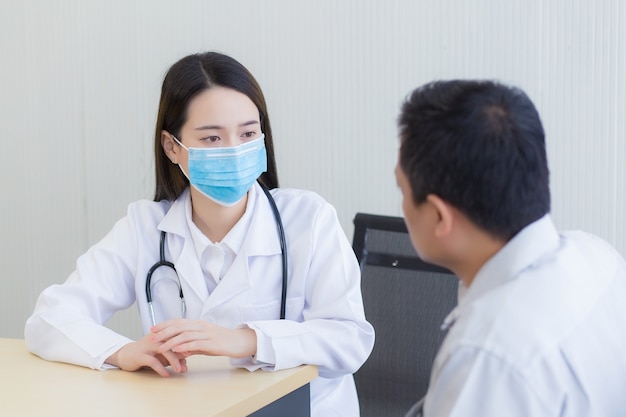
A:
(258, 220)
(229, 247)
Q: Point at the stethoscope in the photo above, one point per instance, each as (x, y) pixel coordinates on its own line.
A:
(163, 263)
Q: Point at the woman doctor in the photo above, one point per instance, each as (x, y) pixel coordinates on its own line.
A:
(213, 132)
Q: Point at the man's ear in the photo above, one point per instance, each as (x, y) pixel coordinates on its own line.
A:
(445, 214)
(167, 142)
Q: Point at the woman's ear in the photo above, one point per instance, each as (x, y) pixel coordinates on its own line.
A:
(169, 146)
(445, 213)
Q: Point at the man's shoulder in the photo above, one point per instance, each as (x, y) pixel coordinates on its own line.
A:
(585, 248)
(526, 317)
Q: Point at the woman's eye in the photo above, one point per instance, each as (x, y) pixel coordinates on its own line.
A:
(249, 134)
(212, 139)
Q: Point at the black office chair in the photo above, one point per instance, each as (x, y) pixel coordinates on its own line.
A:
(406, 300)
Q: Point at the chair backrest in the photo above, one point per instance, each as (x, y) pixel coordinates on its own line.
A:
(406, 300)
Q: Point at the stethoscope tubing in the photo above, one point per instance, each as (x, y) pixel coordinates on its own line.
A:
(162, 262)
(283, 249)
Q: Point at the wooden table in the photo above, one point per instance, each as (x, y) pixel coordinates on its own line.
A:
(33, 387)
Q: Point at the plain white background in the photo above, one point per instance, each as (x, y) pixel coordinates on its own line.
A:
(80, 81)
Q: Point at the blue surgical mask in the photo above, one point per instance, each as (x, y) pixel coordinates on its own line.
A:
(226, 174)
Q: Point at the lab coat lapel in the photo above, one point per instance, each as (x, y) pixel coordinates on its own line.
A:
(179, 247)
(261, 240)
(235, 282)
(189, 269)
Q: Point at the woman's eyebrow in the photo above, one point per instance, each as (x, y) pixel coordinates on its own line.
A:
(209, 127)
(218, 127)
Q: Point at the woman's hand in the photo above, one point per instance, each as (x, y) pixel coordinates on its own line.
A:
(193, 337)
(147, 353)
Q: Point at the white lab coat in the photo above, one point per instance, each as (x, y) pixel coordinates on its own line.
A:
(325, 323)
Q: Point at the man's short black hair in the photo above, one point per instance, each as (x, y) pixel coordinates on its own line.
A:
(480, 146)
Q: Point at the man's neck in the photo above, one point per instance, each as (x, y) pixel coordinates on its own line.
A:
(477, 249)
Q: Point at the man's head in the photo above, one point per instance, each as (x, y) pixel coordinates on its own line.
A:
(478, 146)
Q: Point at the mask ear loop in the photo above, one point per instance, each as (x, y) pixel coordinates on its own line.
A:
(180, 143)
(179, 165)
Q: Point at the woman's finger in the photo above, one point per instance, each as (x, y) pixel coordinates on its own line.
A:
(156, 365)
(173, 360)
(169, 329)
(182, 338)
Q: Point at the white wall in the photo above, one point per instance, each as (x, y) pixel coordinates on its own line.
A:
(80, 79)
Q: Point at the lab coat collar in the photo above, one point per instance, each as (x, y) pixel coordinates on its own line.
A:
(525, 249)
(262, 223)
(261, 239)
(174, 220)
